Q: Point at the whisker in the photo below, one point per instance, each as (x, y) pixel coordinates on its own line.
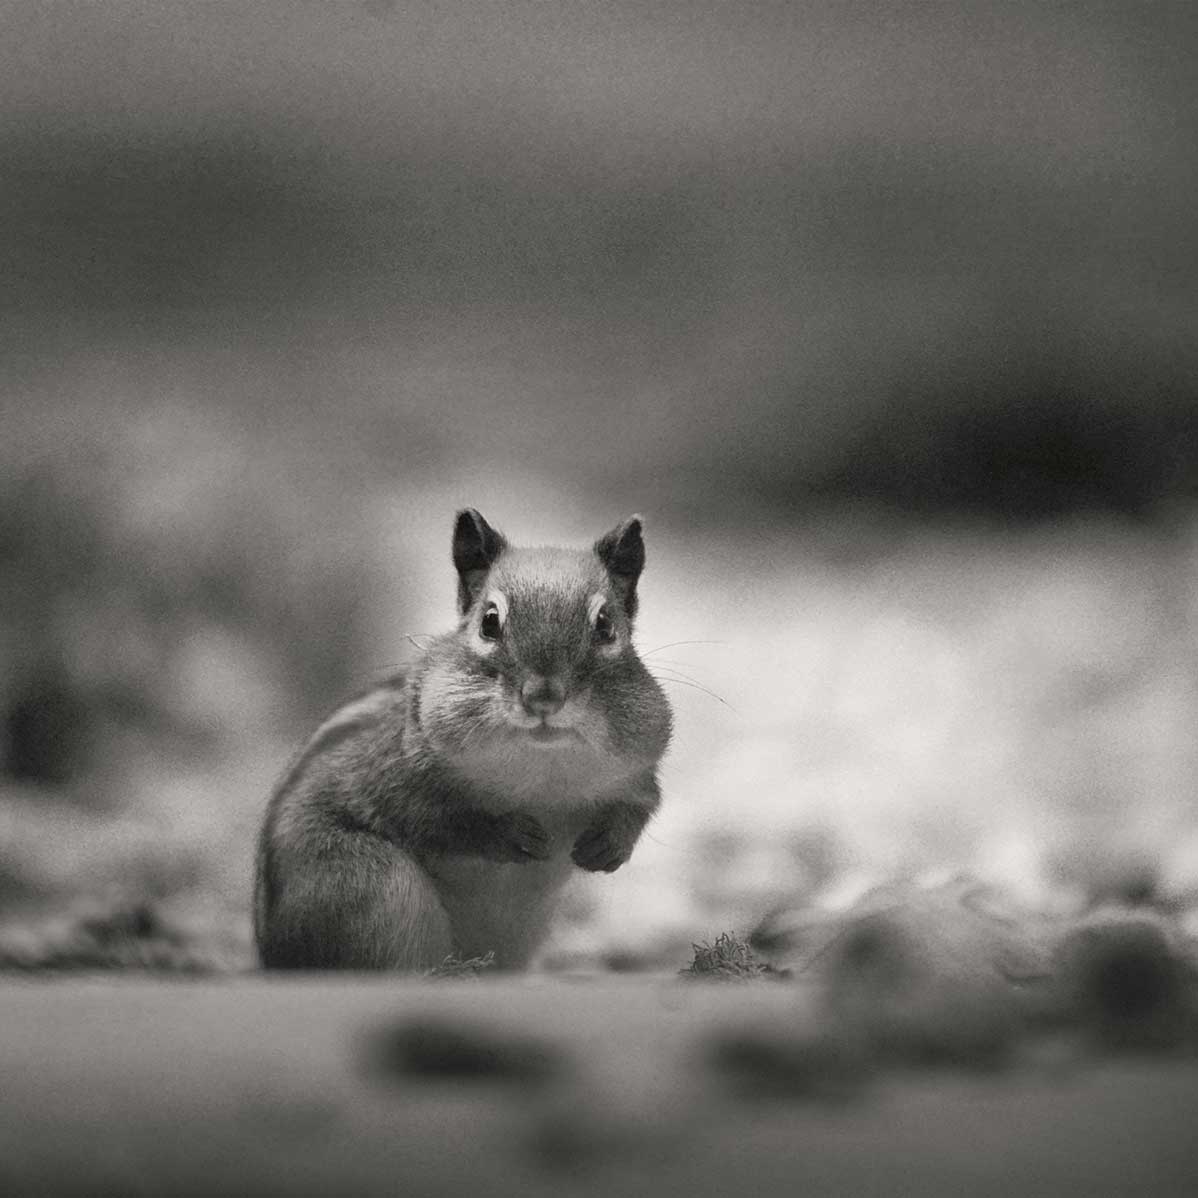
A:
(661, 664)
(676, 668)
(410, 637)
(479, 723)
(671, 644)
(696, 686)
(681, 676)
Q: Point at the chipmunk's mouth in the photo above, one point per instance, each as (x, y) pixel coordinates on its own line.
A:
(547, 735)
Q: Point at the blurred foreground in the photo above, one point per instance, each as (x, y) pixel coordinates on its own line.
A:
(369, 1086)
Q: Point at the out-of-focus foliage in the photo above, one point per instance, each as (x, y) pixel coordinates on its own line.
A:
(166, 618)
(144, 557)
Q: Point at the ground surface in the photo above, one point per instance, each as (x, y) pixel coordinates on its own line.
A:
(248, 1086)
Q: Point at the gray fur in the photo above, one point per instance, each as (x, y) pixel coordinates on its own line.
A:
(422, 820)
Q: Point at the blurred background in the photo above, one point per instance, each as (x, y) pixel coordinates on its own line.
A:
(884, 316)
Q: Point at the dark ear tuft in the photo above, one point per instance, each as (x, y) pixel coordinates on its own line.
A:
(476, 545)
(622, 552)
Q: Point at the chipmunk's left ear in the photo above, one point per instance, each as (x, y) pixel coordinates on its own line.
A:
(622, 552)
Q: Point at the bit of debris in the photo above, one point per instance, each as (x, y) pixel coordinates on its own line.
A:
(729, 959)
(462, 967)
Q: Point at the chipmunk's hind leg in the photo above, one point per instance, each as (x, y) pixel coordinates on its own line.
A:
(354, 901)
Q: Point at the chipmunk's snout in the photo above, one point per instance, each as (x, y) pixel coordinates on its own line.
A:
(542, 696)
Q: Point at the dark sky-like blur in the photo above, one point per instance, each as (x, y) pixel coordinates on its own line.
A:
(936, 255)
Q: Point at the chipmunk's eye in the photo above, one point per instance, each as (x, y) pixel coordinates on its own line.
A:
(603, 633)
(492, 626)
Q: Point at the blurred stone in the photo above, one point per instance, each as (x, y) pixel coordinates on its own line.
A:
(47, 731)
(937, 975)
(1124, 975)
(459, 1051)
(830, 1067)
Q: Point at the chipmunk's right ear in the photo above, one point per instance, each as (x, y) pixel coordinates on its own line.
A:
(476, 545)
(622, 552)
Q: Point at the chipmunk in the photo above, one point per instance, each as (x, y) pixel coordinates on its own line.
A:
(442, 813)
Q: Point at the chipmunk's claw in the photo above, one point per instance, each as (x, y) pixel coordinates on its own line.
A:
(522, 838)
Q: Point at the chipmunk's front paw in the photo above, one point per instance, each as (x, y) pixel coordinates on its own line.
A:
(602, 849)
(519, 837)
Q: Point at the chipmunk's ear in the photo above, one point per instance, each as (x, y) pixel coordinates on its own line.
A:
(622, 552)
(476, 545)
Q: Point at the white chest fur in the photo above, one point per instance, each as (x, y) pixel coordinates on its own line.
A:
(506, 908)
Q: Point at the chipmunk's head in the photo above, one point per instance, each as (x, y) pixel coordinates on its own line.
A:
(542, 665)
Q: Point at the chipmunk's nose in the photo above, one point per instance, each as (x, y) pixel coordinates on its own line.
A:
(542, 696)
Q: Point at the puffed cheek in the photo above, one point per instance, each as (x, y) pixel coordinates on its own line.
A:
(448, 698)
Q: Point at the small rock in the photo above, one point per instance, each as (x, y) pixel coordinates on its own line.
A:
(771, 1065)
(440, 1048)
